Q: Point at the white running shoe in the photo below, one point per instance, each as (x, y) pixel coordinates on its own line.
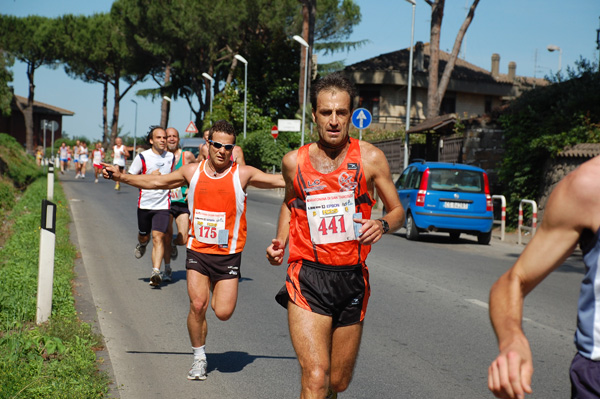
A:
(198, 370)
(140, 250)
(155, 277)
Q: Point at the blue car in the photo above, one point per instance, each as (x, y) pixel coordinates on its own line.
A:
(446, 197)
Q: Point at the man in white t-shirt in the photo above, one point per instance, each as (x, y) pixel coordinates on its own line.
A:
(154, 205)
(119, 153)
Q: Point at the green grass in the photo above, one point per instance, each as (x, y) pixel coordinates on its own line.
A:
(55, 359)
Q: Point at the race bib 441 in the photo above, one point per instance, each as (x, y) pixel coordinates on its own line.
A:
(330, 217)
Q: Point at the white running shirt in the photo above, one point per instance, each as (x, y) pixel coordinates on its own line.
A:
(146, 163)
(119, 158)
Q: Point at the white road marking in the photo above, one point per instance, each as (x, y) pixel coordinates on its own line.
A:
(486, 306)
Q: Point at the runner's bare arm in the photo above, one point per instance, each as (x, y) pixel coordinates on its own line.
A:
(276, 251)
(249, 175)
(238, 155)
(189, 157)
(151, 181)
(379, 177)
(570, 209)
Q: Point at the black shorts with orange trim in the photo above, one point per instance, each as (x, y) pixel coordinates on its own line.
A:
(340, 292)
(215, 267)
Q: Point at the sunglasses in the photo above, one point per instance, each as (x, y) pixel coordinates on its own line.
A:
(217, 145)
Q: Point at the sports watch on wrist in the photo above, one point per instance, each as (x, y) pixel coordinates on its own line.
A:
(385, 225)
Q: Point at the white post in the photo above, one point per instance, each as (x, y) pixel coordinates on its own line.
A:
(46, 262)
(207, 76)
(50, 182)
(409, 91)
(303, 42)
(242, 59)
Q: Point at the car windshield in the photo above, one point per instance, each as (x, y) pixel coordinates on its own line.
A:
(456, 180)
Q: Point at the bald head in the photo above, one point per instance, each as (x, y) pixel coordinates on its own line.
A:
(172, 139)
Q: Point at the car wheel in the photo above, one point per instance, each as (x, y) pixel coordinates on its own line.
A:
(411, 229)
(454, 236)
(484, 238)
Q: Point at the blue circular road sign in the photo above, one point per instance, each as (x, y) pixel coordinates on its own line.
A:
(361, 118)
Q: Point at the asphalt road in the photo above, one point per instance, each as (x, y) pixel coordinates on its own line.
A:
(427, 332)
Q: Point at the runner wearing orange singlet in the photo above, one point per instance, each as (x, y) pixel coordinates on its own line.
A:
(217, 204)
(326, 215)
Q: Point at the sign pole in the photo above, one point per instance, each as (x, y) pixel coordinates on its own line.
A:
(46, 262)
(44, 122)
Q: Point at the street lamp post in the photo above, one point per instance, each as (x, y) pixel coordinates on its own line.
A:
(242, 59)
(212, 81)
(135, 128)
(303, 42)
(409, 91)
(552, 48)
(168, 100)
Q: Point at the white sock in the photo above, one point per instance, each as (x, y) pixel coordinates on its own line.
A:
(167, 266)
(199, 352)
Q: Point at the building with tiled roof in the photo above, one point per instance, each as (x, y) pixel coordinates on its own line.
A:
(14, 124)
(473, 91)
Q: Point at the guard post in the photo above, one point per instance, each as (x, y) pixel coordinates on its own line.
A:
(502, 221)
(50, 183)
(533, 226)
(46, 262)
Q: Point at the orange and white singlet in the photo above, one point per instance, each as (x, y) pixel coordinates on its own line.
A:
(321, 225)
(217, 212)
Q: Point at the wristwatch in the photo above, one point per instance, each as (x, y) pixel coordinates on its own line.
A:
(385, 225)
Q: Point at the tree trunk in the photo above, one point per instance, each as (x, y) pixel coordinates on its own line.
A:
(437, 15)
(234, 63)
(115, 120)
(165, 105)
(437, 89)
(28, 110)
(443, 85)
(309, 11)
(105, 138)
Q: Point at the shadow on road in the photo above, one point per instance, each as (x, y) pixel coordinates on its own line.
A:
(233, 362)
(228, 362)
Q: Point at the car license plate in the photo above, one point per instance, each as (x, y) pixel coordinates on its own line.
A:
(456, 205)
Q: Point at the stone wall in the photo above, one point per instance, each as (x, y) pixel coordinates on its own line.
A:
(484, 147)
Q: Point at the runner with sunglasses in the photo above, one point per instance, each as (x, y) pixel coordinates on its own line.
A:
(217, 204)
(237, 155)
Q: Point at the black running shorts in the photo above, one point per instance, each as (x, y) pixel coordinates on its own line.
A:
(341, 292)
(178, 208)
(153, 219)
(215, 267)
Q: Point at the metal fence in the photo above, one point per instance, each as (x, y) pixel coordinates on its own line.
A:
(450, 151)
